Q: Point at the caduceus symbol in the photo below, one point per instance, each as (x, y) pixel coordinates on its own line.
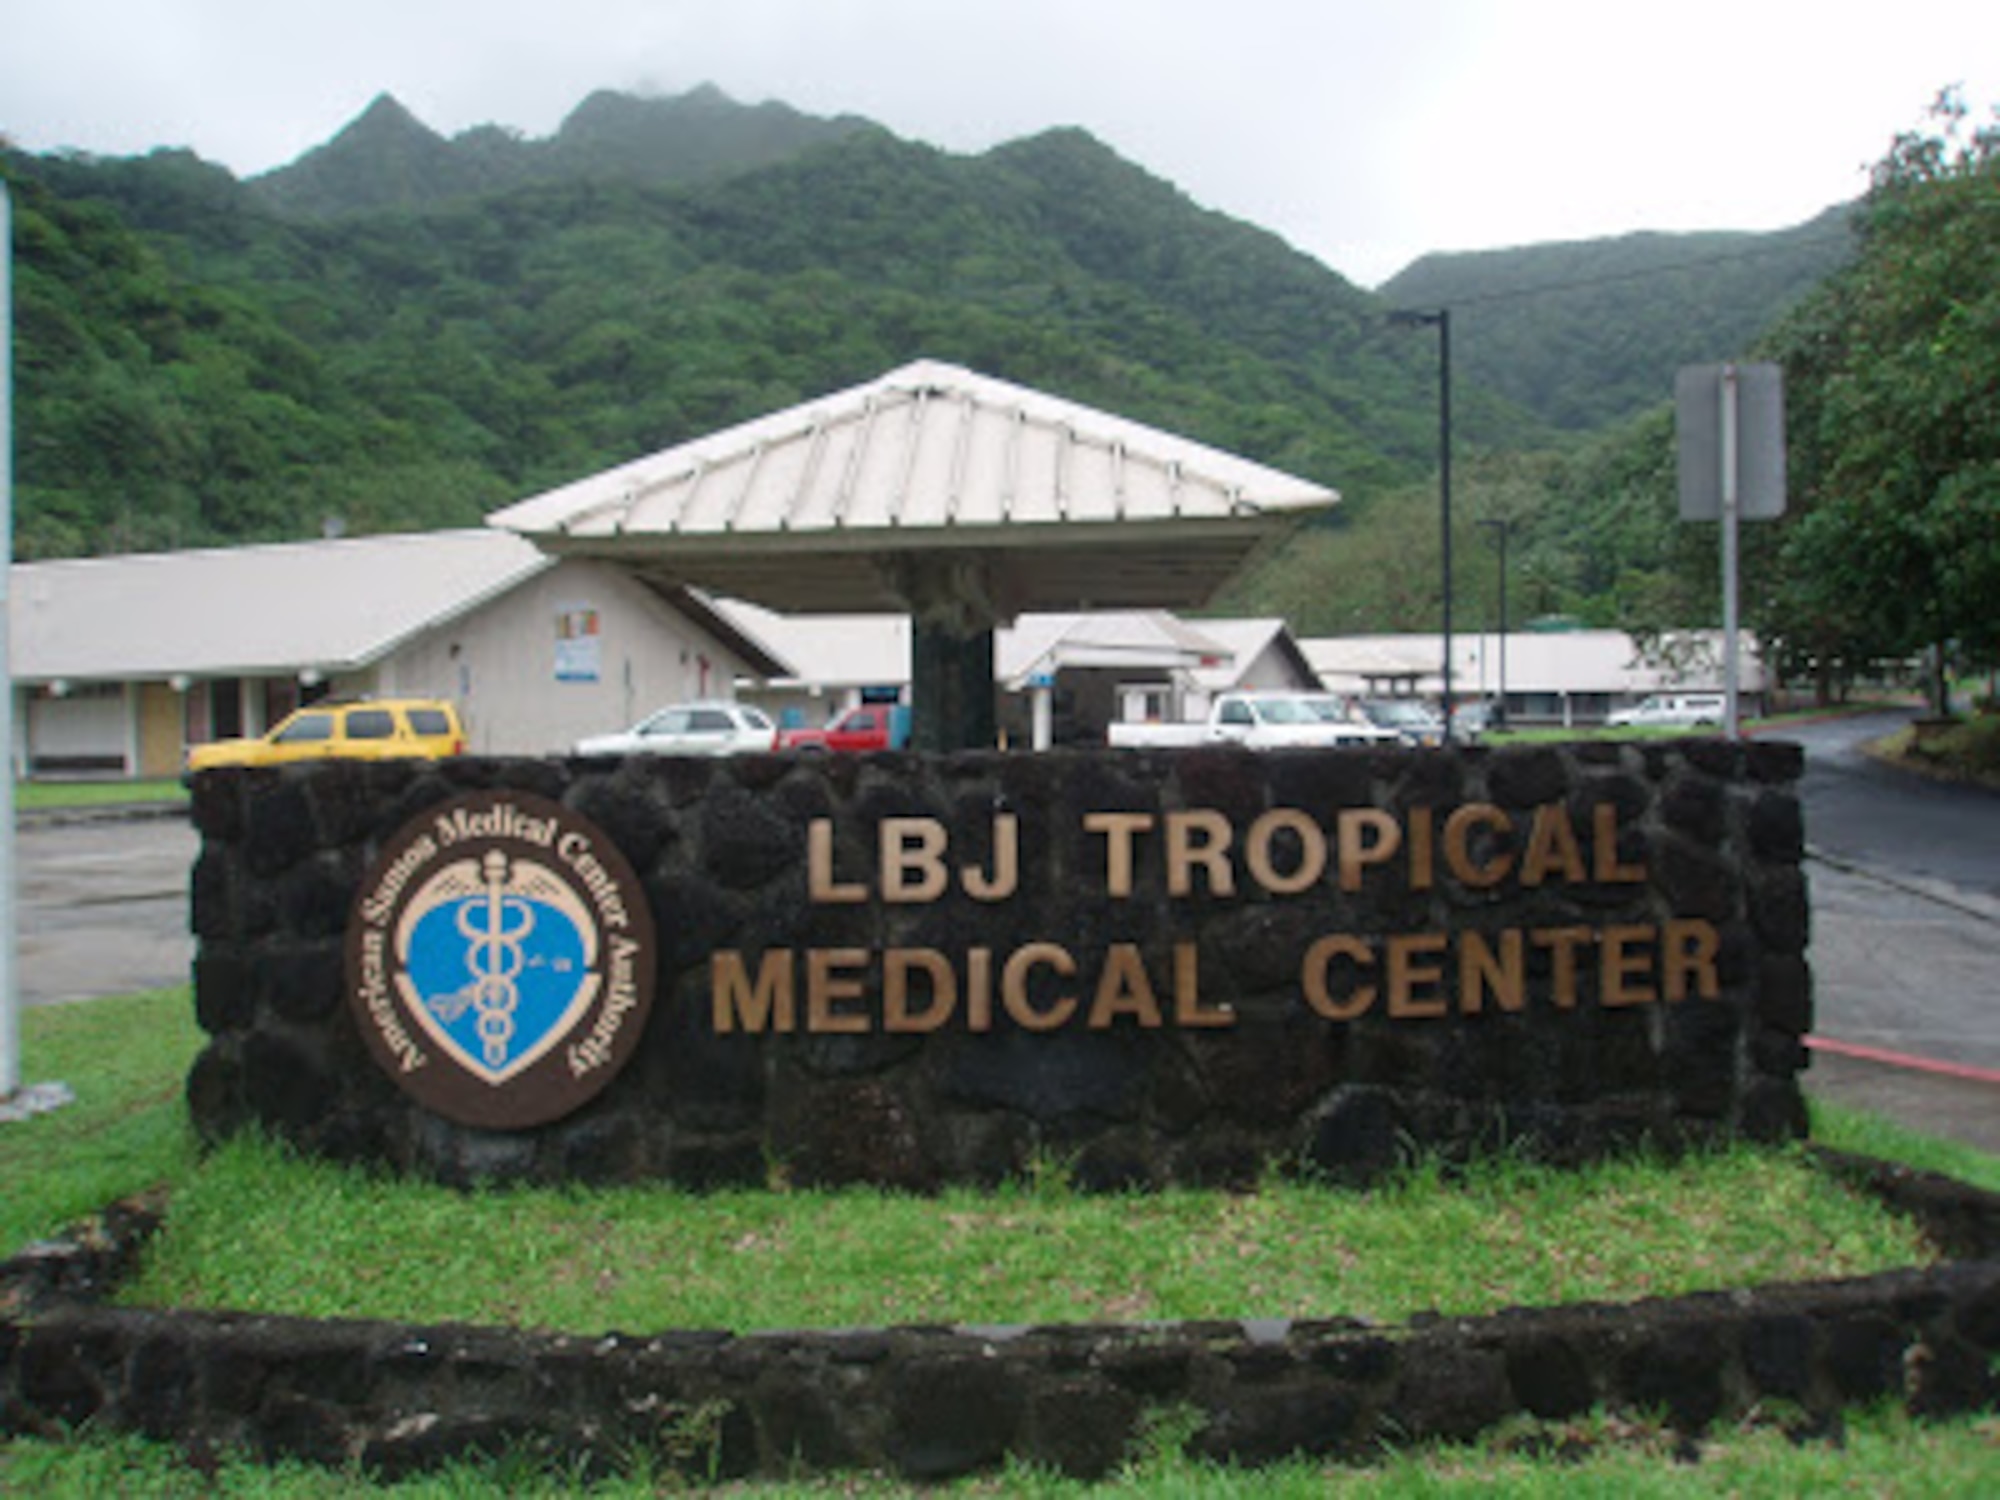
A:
(494, 954)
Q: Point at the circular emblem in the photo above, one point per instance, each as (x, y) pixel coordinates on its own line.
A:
(500, 960)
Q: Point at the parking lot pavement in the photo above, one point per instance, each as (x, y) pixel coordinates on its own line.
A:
(1952, 1109)
(1906, 967)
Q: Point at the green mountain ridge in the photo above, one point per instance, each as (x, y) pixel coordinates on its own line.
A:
(401, 330)
(387, 159)
(1589, 332)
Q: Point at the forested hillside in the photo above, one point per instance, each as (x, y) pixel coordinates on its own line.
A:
(195, 368)
(401, 331)
(1590, 333)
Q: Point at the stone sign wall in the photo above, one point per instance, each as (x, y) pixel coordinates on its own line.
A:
(914, 969)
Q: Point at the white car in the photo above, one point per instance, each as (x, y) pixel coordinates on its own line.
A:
(1354, 725)
(720, 727)
(1670, 710)
(1409, 720)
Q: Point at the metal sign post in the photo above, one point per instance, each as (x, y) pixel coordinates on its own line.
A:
(16, 1102)
(10, 994)
(1731, 505)
(1730, 427)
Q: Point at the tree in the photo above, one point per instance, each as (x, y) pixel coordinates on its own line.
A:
(1893, 379)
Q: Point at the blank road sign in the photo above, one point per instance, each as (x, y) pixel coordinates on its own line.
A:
(1760, 441)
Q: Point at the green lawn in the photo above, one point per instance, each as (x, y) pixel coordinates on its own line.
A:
(35, 795)
(360, 1245)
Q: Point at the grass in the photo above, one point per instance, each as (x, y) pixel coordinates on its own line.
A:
(126, 1060)
(259, 1230)
(253, 1227)
(1968, 750)
(32, 796)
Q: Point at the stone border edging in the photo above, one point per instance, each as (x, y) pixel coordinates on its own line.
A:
(932, 1402)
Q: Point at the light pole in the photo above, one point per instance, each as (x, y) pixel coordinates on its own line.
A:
(1440, 319)
(1500, 527)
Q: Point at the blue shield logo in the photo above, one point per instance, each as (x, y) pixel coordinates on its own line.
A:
(499, 960)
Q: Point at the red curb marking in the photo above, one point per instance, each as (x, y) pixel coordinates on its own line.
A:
(1905, 1060)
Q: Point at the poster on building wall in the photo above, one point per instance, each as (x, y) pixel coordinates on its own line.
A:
(579, 643)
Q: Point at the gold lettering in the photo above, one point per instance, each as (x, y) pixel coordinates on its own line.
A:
(1313, 977)
(1690, 948)
(1118, 829)
(1188, 1009)
(1415, 964)
(1123, 989)
(897, 965)
(827, 987)
(1422, 836)
(1366, 836)
(912, 860)
(1562, 943)
(1006, 876)
(1014, 986)
(1200, 836)
(1552, 848)
(1457, 841)
(735, 1003)
(1312, 851)
(1624, 968)
(1604, 849)
(821, 888)
(979, 990)
(1481, 971)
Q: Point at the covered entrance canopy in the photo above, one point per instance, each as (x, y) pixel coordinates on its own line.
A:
(959, 499)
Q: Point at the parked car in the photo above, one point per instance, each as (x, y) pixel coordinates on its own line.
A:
(1665, 710)
(1470, 721)
(1412, 722)
(359, 729)
(718, 727)
(1335, 708)
(1262, 721)
(869, 726)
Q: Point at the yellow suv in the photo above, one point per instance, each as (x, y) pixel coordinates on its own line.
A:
(366, 729)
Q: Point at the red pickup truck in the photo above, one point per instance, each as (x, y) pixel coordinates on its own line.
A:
(871, 726)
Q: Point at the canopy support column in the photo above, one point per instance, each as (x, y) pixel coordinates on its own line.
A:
(956, 604)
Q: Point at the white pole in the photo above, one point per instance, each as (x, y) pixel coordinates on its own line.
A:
(10, 995)
(1731, 504)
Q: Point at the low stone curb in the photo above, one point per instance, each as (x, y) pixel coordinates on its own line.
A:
(929, 1403)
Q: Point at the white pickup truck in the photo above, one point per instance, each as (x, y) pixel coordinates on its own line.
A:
(1262, 721)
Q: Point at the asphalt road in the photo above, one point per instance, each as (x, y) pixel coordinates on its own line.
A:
(102, 905)
(1905, 880)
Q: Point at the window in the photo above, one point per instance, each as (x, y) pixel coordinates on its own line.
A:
(1236, 711)
(371, 724)
(710, 721)
(431, 721)
(305, 729)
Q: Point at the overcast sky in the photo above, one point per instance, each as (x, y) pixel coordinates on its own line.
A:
(1366, 132)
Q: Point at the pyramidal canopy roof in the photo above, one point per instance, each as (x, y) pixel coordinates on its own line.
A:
(832, 505)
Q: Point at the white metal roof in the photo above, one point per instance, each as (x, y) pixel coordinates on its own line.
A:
(819, 508)
(1556, 661)
(1243, 642)
(829, 650)
(832, 651)
(249, 611)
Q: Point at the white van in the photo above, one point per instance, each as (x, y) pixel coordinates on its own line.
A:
(1669, 709)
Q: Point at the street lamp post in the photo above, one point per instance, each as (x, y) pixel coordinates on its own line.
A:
(1500, 526)
(1440, 319)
